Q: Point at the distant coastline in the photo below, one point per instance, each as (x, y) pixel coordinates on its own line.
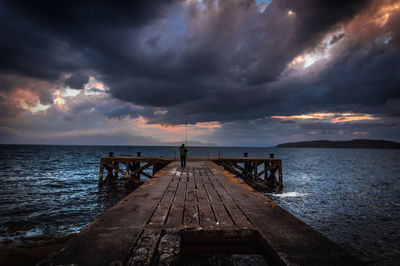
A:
(347, 144)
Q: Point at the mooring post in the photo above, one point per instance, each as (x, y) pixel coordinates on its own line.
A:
(110, 154)
(271, 155)
(255, 169)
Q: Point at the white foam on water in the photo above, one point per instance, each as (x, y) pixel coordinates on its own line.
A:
(292, 194)
(34, 232)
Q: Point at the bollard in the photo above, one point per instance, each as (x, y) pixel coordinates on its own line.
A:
(111, 154)
(271, 155)
(138, 154)
(245, 154)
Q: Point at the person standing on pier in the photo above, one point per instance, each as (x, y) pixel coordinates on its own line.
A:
(183, 151)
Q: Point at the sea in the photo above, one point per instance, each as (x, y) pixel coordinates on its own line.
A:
(351, 196)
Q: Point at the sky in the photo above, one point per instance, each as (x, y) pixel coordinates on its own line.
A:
(231, 73)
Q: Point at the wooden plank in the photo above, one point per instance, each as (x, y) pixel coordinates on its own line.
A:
(206, 215)
(144, 173)
(166, 201)
(191, 195)
(237, 215)
(169, 193)
(140, 169)
(175, 216)
(161, 213)
(201, 192)
(221, 214)
(212, 194)
(180, 193)
(191, 188)
(191, 215)
(222, 193)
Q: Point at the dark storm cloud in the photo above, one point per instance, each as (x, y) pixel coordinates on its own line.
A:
(227, 66)
(98, 104)
(76, 81)
(281, 36)
(45, 39)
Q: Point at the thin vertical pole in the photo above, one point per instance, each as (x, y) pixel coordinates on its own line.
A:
(186, 133)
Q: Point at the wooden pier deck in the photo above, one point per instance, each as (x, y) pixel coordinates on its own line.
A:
(180, 214)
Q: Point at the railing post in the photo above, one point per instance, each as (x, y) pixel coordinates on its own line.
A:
(127, 170)
(247, 166)
(116, 168)
(255, 169)
(154, 168)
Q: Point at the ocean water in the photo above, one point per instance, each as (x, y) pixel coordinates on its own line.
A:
(352, 196)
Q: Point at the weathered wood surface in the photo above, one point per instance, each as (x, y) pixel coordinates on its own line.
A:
(184, 211)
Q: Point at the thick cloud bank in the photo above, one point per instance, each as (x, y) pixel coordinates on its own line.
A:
(177, 62)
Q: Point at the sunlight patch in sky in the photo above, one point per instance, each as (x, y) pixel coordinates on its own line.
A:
(384, 13)
(321, 52)
(329, 117)
(36, 108)
(262, 4)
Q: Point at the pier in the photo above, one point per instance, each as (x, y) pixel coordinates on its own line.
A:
(257, 172)
(186, 216)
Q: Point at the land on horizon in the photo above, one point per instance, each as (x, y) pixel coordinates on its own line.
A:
(344, 144)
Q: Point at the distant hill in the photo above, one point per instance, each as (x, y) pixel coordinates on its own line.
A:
(355, 144)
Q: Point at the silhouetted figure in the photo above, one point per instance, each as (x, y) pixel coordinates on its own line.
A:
(183, 151)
